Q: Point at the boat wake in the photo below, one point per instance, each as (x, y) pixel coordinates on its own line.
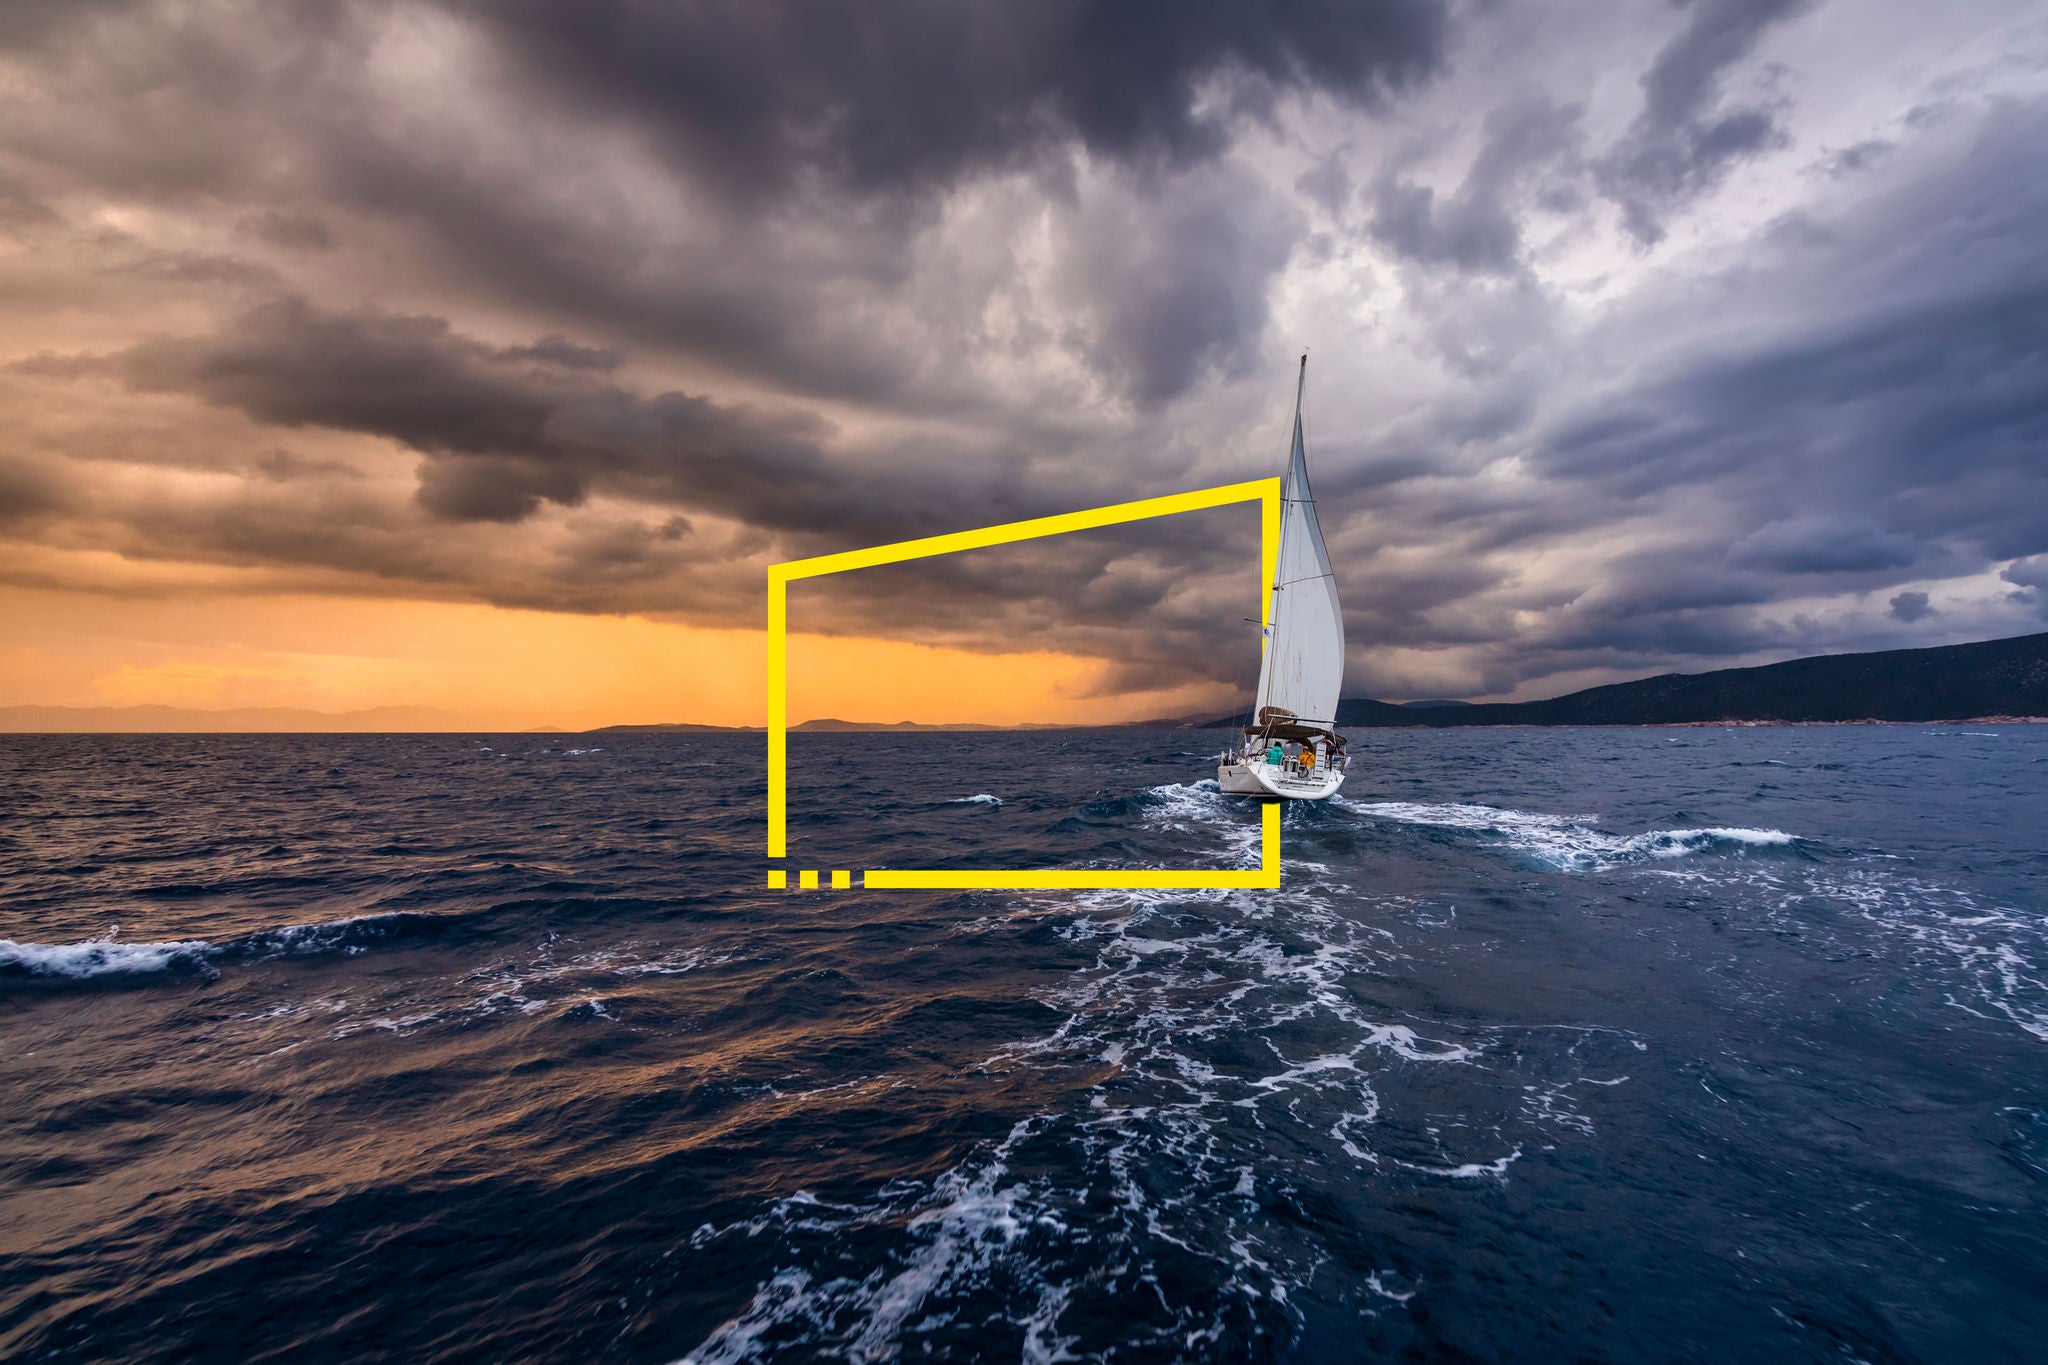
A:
(1568, 843)
(1986, 956)
(1217, 1061)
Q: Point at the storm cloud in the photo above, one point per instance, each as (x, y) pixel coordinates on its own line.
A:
(919, 93)
(1686, 137)
(1641, 337)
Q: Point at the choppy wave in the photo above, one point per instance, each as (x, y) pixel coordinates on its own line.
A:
(1567, 843)
(352, 934)
(1421, 1102)
(1989, 956)
(108, 957)
(1183, 805)
(1983, 958)
(962, 1231)
(100, 958)
(1220, 1031)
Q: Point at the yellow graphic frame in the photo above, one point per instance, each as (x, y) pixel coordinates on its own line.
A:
(1266, 875)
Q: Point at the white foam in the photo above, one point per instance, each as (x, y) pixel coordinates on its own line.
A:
(1181, 804)
(100, 957)
(317, 937)
(1377, 1283)
(1207, 1022)
(503, 989)
(1037, 1350)
(978, 799)
(739, 1338)
(1567, 842)
(1991, 952)
(1471, 1170)
(967, 1222)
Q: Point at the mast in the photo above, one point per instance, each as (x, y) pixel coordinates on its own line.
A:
(1300, 384)
(1287, 493)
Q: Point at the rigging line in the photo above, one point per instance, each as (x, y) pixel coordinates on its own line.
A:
(1310, 579)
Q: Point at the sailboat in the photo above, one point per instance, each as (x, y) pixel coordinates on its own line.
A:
(1291, 748)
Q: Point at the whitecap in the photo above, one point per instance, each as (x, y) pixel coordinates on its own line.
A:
(969, 1221)
(1470, 1170)
(978, 799)
(101, 957)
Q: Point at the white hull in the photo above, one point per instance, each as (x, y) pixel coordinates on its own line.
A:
(1269, 783)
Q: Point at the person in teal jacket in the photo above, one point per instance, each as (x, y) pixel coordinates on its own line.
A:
(1275, 755)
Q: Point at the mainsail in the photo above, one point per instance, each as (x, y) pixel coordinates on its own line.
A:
(1303, 669)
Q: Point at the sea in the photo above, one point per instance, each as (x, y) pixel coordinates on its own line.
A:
(1578, 1044)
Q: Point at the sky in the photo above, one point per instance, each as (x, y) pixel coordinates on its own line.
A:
(481, 356)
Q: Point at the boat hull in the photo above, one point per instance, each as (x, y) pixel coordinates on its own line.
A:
(1268, 783)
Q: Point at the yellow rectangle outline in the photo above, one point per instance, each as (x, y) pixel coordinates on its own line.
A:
(1266, 875)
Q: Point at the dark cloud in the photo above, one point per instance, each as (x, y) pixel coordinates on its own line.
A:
(28, 491)
(504, 488)
(1470, 233)
(1177, 283)
(1163, 602)
(24, 23)
(2031, 572)
(804, 146)
(1327, 183)
(1910, 607)
(1855, 158)
(1909, 404)
(2030, 576)
(1685, 140)
(601, 307)
(1882, 416)
(1823, 545)
(18, 209)
(889, 103)
(297, 231)
(1931, 415)
(409, 378)
(502, 429)
(910, 93)
(1478, 227)
(286, 466)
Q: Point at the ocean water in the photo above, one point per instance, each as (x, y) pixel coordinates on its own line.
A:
(1696, 1044)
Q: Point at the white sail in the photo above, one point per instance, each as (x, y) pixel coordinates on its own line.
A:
(1303, 668)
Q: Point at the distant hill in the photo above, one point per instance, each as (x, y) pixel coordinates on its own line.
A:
(237, 720)
(669, 727)
(829, 725)
(901, 725)
(1948, 682)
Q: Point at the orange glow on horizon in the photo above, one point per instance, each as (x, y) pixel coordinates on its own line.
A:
(483, 667)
